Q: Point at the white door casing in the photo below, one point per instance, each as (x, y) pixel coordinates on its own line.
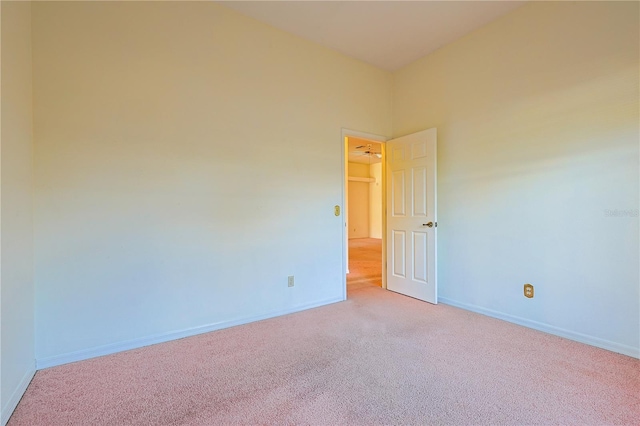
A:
(411, 215)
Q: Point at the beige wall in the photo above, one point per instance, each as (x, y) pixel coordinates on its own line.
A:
(358, 210)
(537, 117)
(365, 201)
(375, 201)
(168, 139)
(358, 199)
(16, 278)
(358, 170)
(171, 196)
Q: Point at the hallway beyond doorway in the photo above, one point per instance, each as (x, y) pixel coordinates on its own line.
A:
(365, 263)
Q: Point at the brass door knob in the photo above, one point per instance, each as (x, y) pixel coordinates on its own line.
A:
(429, 224)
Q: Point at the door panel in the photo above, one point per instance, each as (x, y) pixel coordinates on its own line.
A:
(420, 257)
(398, 154)
(398, 254)
(419, 191)
(418, 150)
(411, 215)
(398, 193)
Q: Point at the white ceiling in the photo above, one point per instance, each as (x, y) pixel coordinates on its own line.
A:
(387, 34)
(358, 151)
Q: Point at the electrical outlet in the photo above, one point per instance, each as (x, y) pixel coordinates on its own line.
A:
(528, 291)
(290, 281)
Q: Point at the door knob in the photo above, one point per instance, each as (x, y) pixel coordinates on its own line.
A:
(429, 224)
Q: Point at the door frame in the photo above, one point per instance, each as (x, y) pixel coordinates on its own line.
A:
(345, 235)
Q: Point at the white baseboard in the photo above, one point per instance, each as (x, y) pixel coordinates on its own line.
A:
(578, 337)
(13, 401)
(165, 337)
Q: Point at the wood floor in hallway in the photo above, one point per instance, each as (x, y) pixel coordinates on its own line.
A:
(365, 263)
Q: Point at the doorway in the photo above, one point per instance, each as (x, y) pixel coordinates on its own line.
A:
(409, 214)
(364, 212)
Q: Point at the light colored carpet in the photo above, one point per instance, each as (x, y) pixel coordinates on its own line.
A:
(378, 358)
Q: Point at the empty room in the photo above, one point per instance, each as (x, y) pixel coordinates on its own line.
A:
(176, 233)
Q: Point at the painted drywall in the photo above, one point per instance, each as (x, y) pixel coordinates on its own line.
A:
(17, 364)
(358, 210)
(358, 170)
(174, 191)
(537, 117)
(358, 199)
(375, 201)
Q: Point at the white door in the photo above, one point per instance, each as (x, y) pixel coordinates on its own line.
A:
(411, 215)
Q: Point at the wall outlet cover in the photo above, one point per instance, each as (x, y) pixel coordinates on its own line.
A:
(528, 291)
